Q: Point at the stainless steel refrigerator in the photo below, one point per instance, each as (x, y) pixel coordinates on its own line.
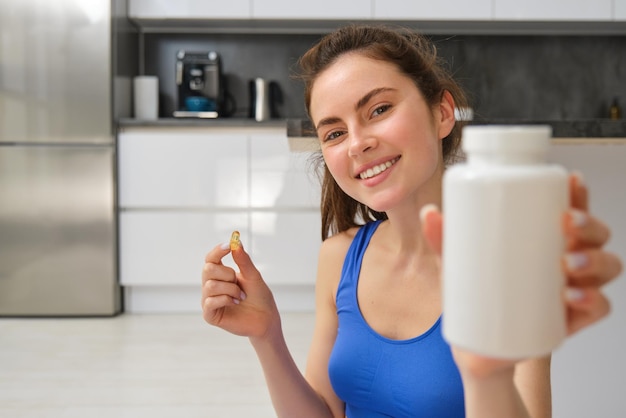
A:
(57, 158)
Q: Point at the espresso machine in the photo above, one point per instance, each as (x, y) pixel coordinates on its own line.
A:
(199, 88)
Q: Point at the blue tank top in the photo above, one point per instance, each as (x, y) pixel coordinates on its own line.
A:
(380, 377)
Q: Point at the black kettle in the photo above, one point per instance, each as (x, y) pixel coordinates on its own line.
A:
(264, 99)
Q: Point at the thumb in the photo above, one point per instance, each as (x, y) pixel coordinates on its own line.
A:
(245, 264)
(432, 226)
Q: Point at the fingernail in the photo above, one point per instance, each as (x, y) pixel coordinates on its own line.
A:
(225, 246)
(574, 294)
(579, 178)
(576, 261)
(579, 218)
(425, 209)
(236, 301)
(242, 296)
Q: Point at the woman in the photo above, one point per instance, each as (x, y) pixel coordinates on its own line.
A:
(383, 109)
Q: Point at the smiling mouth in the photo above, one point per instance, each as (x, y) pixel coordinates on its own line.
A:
(376, 170)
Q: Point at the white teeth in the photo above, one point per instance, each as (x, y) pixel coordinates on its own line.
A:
(374, 171)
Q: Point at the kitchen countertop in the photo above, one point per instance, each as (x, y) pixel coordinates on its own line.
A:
(302, 127)
(580, 128)
(199, 122)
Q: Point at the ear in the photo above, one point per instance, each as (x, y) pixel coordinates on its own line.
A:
(446, 114)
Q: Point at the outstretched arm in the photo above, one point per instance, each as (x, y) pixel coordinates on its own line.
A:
(491, 386)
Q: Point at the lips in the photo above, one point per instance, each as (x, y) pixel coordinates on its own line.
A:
(377, 169)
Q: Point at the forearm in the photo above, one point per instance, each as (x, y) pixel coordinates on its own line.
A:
(291, 394)
(493, 396)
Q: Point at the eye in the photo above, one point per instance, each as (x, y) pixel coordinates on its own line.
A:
(332, 135)
(381, 109)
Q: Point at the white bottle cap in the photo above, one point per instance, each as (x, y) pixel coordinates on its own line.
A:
(506, 138)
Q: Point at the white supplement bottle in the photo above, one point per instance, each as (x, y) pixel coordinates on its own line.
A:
(503, 244)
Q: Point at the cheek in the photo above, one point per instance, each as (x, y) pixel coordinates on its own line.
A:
(337, 164)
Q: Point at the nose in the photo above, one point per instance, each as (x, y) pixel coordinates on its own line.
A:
(360, 141)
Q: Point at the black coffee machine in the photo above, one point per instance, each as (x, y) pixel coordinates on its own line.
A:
(199, 85)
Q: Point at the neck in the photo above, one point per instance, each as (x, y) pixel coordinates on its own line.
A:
(404, 229)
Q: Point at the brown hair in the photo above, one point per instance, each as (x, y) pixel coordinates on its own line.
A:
(416, 56)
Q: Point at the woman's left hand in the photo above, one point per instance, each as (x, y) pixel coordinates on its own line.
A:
(587, 265)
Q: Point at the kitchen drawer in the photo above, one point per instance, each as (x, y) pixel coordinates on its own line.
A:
(285, 246)
(280, 178)
(183, 169)
(429, 10)
(168, 247)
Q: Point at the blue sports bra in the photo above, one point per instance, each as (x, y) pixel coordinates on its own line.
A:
(380, 377)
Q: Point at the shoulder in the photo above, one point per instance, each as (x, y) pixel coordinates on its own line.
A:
(334, 249)
(331, 258)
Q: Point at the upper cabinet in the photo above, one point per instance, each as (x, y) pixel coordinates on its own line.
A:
(554, 10)
(488, 15)
(429, 10)
(189, 9)
(619, 10)
(320, 9)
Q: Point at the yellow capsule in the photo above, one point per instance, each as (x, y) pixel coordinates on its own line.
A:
(235, 242)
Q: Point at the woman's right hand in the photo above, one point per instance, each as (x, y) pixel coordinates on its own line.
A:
(238, 302)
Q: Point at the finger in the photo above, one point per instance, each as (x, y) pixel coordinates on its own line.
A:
(212, 271)
(591, 267)
(217, 253)
(432, 226)
(245, 264)
(579, 195)
(585, 306)
(214, 288)
(212, 308)
(583, 230)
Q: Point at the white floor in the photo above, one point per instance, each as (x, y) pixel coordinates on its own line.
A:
(135, 366)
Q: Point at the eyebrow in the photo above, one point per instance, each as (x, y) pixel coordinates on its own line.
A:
(359, 104)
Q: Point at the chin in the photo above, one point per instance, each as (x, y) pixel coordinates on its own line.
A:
(381, 205)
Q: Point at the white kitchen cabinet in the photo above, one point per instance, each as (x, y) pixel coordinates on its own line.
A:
(429, 10)
(174, 168)
(189, 9)
(280, 178)
(167, 248)
(285, 246)
(556, 10)
(320, 9)
(183, 190)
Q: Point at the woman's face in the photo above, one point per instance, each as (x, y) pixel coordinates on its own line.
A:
(379, 138)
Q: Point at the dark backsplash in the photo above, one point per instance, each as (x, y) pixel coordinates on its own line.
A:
(509, 77)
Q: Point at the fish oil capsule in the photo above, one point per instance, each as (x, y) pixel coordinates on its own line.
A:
(235, 241)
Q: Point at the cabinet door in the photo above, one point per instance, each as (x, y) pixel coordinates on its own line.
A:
(168, 247)
(285, 246)
(619, 10)
(321, 9)
(281, 178)
(559, 10)
(429, 10)
(189, 9)
(183, 168)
